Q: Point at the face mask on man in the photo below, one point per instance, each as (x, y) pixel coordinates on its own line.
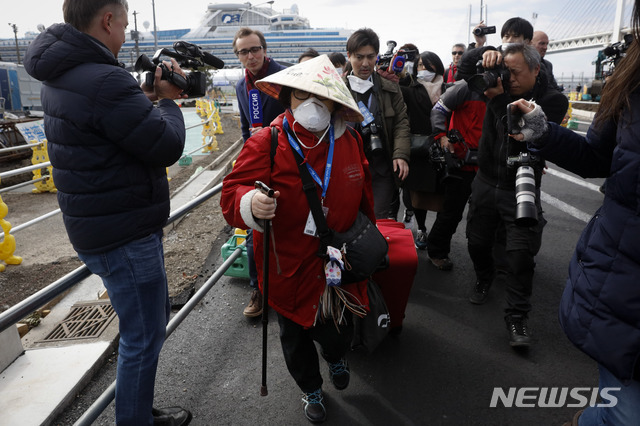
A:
(426, 75)
(312, 114)
(359, 85)
(408, 67)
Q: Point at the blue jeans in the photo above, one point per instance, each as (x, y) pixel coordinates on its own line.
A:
(136, 281)
(625, 412)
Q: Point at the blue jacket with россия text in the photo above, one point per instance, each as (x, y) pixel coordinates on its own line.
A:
(271, 107)
(108, 145)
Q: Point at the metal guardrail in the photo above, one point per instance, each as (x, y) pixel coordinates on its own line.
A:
(22, 170)
(94, 411)
(19, 147)
(27, 183)
(20, 310)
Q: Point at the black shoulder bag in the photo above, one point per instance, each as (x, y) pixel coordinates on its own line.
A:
(363, 247)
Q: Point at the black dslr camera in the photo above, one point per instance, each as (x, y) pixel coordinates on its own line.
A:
(526, 163)
(485, 79)
(375, 143)
(187, 55)
(443, 161)
(394, 62)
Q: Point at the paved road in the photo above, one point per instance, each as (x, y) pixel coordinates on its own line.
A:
(442, 369)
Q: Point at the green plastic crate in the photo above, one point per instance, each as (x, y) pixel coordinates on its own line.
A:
(240, 266)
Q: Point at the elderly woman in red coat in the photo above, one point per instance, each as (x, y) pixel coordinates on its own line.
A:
(317, 105)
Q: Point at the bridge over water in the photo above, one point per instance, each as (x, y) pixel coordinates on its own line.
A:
(585, 24)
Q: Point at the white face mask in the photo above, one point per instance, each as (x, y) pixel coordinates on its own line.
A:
(409, 67)
(426, 75)
(359, 85)
(339, 70)
(313, 115)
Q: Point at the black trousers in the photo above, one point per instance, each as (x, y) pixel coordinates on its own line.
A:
(300, 352)
(386, 197)
(489, 209)
(457, 190)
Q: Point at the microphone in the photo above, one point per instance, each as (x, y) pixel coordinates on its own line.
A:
(214, 61)
(255, 108)
(397, 65)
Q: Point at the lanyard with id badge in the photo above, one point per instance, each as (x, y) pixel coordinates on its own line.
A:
(310, 227)
(334, 265)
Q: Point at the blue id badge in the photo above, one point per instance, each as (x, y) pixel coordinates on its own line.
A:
(368, 117)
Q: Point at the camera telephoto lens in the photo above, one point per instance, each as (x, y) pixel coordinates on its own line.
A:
(376, 143)
(526, 210)
(479, 83)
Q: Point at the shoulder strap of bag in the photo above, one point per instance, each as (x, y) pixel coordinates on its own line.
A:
(274, 144)
(309, 188)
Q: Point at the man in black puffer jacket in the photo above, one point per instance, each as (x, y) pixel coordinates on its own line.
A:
(492, 208)
(109, 147)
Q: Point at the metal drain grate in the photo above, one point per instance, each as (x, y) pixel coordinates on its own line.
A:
(87, 320)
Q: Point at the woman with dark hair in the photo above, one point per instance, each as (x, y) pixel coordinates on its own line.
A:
(318, 105)
(600, 307)
(420, 95)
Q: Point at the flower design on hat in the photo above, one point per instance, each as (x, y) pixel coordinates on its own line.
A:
(334, 84)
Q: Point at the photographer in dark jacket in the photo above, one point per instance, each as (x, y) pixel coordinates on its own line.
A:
(109, 147)
(493, 198)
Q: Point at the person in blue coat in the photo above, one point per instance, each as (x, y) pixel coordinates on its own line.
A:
(600, 307)
(109, 147)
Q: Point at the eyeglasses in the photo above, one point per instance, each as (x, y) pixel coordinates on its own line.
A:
(303, 95)
(457, 52)
(253, 50)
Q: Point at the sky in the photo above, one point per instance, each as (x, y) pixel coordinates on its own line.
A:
(430, 25)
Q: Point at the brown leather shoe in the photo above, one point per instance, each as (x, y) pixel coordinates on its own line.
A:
(254, 308)
(442, 264)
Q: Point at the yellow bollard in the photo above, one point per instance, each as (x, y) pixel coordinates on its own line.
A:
(8, 245)
(218, 123)
(41, 155)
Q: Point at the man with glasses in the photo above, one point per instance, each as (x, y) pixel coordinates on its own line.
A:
(456, 53)
(250, 47)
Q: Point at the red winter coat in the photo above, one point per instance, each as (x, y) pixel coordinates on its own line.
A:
(295, 289)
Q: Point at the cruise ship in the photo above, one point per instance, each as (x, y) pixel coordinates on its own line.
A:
(288, 34)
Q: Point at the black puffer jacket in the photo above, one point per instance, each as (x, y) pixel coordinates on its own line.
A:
(108, 145)
(495, 146)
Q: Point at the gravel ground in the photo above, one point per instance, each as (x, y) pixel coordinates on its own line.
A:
(48, 255)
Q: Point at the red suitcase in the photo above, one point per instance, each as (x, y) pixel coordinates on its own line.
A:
(396, 280)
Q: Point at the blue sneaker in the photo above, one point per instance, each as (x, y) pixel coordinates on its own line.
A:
(421, 240)
(314, 406)
(339, 374)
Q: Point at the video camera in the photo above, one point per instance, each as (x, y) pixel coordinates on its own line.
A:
(618, 50)
(480, 31)
(485, 79)
(612, 55)
(187, 55)
(394, 62)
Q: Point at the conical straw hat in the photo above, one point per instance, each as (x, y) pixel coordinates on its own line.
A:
(317, 76)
